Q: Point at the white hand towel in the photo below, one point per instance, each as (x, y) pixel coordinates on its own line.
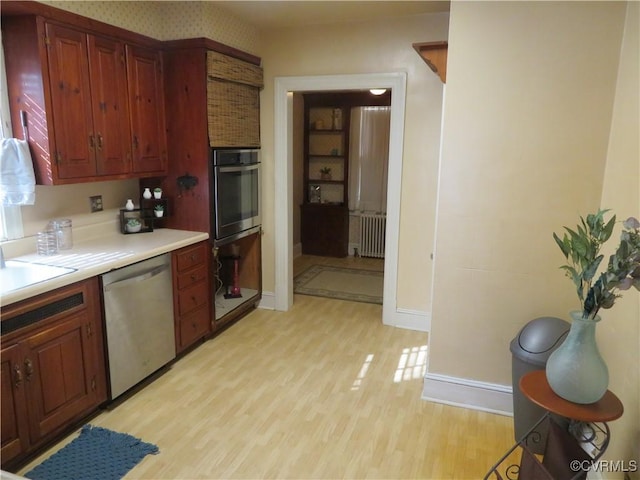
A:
(17, 180)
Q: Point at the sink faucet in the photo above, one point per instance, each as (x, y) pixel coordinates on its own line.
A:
(2, 264)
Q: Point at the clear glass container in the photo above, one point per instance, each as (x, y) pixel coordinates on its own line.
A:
(47, 242)
(64, 233)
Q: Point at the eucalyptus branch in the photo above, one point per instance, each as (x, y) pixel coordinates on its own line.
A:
(581, 247)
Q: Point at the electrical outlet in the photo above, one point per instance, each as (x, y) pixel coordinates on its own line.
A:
(96, 203)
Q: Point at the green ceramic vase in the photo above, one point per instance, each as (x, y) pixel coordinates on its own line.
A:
(576, 371)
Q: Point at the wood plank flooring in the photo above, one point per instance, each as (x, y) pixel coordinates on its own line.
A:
(323, 391)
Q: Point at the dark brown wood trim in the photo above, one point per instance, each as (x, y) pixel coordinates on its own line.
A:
(208, 44)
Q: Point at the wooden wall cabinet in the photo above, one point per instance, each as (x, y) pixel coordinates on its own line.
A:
(191, 295)
(53, 366)
(189, 142)
(146, 101)
(91, 105)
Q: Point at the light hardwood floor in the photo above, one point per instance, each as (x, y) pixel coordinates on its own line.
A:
(323, 391)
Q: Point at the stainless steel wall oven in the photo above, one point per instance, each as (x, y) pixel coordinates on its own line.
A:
(235, 191)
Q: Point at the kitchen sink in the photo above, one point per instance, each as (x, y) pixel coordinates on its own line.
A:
(18, 274)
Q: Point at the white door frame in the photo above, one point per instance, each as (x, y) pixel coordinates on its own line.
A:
(283, 154)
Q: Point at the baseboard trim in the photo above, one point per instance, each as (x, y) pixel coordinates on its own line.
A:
(462, 392)
(410, 319)
(268, 301)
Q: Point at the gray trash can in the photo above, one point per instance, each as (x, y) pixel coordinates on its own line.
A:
(530, 350)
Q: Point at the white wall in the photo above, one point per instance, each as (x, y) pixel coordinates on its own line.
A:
(526, 127)
(619, 332)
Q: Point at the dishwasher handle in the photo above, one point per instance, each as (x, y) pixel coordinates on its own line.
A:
(139, 277)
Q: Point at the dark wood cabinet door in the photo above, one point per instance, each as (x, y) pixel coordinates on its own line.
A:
(58, 375)
(193, 327)
(146, 103)
(109, 104)
(324, 230)
(15, 432)
(73, 150)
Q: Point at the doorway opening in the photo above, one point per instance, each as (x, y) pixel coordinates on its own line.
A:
(340, 162)
(283, 118)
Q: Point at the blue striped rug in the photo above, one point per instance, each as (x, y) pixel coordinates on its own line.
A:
(98, 453)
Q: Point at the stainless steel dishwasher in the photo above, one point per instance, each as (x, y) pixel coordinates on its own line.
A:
(138, 306)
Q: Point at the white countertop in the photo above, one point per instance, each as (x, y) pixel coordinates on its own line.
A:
(100, 253)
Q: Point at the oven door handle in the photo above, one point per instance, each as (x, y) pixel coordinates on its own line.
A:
(238, 168)
(139, 277)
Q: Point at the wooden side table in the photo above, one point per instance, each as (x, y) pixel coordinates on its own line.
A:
(535, 387)
(587, 430)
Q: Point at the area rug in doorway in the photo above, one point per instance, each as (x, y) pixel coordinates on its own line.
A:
(98, 453)
(339, 282)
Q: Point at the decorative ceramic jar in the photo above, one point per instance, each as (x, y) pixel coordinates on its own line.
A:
(146, 194)
(576, 371)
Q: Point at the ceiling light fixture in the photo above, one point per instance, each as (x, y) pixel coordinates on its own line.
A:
(378, 91)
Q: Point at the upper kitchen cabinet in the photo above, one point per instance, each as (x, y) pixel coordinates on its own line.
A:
(88, 98)
(89, 103)
(146, 100)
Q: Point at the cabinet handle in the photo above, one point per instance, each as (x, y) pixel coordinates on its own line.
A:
(193, 299)
(28, 368)
(193, 277)
(99, 142)
(92, 142)
(89, 330)
(17, 376)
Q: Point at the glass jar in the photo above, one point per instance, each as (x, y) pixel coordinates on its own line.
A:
(64, 234)
(46, 242)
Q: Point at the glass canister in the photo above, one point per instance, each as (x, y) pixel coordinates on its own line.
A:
(64, 234)
(46, 242)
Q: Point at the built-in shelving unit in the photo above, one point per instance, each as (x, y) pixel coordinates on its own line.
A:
(325, 216)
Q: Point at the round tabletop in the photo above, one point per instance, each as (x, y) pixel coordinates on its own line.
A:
(535, 387)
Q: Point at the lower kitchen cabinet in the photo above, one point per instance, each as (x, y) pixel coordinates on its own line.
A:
(191, 294)
(53, 367)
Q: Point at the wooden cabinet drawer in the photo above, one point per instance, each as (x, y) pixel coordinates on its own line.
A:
(192, 298)
(185, 280)
(191, 257)
(193, 327)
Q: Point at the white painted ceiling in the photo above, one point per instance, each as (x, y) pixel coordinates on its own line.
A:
(268, 14)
